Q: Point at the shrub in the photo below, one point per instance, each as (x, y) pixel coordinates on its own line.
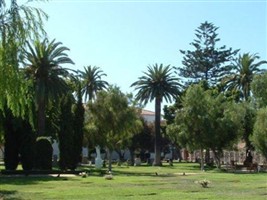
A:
(204, 183)
(11, 157)
(43, 154)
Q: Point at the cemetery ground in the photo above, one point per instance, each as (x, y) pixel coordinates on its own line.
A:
(180, 181)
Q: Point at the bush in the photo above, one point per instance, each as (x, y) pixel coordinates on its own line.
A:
(43, 154)
(11, 153)
(11, 157)
(27, 150)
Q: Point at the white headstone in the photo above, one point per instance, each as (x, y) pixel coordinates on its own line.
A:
(98, 159)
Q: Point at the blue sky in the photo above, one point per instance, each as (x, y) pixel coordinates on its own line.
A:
(124, 37)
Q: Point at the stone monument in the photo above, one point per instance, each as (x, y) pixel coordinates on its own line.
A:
(98, 159)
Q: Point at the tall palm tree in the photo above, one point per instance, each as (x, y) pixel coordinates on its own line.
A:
(92, 82)
(244, 70)
(157, 84)
(43, 62)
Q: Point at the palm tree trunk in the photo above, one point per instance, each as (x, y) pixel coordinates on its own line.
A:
(40, 91)
(41, 116)
(157, 161)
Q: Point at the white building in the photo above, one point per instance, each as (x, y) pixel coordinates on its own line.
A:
(149, 116)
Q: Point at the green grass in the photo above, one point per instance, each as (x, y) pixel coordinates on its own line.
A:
(139, 183)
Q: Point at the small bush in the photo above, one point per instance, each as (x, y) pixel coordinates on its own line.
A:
(204, 183)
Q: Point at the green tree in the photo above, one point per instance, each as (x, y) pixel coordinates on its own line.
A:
(157, 84)
(207, 61)
(244, 68)
(111, 120)
(206, 121)
(66, 133)
(18, 24)
(92, 81)
(142, 140)
(19, 139)
(259, 91)
(42, 64)
(78, 126)
(259, 137)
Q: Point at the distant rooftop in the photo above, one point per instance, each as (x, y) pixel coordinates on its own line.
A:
(147, 112)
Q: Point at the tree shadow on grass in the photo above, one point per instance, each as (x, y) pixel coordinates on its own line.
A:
(29, 180)
(8, 195)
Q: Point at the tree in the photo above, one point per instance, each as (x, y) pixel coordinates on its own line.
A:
(244, 70)
(259, 137)
(66, 134)
(19, 139)
(207, 62)
(92, 81)
(157, 83)
(42, 64)
(258, 86)
(206, 121)
(78, 126)
(18, 24)
(111, 120)
(142, 140)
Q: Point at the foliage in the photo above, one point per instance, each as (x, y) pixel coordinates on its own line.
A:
(206, 121)
(78, 126)
(19, 140)
(18, 24)
(92, 81)
(27, 143)
(43, 154)
(248, 121)
(241, 78)
(142, 140)
(157, 84)
(66, 134)
(42, 64)
(259, 85)
(111, 121)
(259, 137)
(207, 62)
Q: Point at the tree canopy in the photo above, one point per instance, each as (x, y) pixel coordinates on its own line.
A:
(111, 120)
(206, 121)
(244, 69)
(207, 61)
(18, 24)
(157, 83)
(43, 67)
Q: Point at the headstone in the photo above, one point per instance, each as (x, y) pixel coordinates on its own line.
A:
(98, 159)
(137, 162)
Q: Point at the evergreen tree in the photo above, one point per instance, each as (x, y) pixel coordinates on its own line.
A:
(65, 134)
(78, 126)
(207, 61)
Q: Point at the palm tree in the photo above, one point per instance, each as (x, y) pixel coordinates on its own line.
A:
(157, 83)
(43, 63)
(91, 81)
(245, 68)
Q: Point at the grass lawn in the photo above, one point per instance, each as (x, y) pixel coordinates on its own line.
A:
(139, 183)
